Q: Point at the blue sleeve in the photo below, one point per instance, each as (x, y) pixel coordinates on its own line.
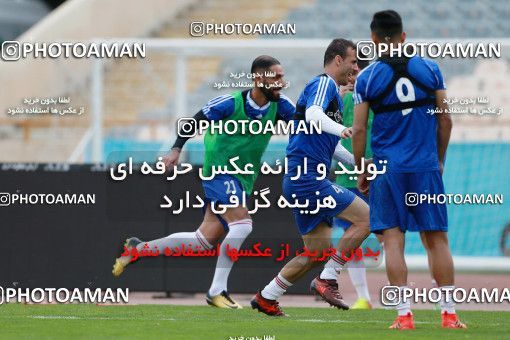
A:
(359, 94)
(219, 108)
(286, 108)
(439, 83)
(321, 92)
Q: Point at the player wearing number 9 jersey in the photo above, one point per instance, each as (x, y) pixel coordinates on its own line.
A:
(389, 85)
(401, 92)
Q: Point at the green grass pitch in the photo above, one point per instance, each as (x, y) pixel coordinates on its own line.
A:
(203, 322)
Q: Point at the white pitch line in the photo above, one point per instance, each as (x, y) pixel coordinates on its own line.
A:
(69, 317)
(378, 321)
(53, 317)
(72, 317)
(353, 321)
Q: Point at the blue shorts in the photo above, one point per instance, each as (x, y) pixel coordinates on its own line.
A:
(306, 188)
(219, 189)
(341, 223)
(388, 208)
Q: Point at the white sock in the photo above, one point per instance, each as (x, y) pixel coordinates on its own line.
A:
(276, 288)
(359, 281)
(172, 241)
(238, 232)
(404, 307)
(332, 268)
(447, 304)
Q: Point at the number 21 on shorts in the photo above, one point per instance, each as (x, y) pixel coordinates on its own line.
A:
(230, 187)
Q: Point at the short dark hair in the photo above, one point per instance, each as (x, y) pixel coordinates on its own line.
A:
(263, 62)
(386, 23)
(339, 47)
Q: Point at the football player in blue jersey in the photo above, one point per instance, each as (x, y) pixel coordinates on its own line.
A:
(320, 101)
(401, 91)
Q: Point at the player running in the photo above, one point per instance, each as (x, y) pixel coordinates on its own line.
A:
(414, 142)
(264, 102)
(358, 275)
(319, 101)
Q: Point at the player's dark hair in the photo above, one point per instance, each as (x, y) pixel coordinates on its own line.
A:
(337, 47)
(263, 62)
(386, 24)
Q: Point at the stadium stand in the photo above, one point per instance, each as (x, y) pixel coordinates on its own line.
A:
(139, 96)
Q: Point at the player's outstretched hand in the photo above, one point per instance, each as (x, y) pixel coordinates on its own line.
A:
(171, 159)
(346, 133)
(363, 184)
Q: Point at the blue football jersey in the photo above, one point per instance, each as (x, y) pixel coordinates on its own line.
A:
(406, 138)
(318, 148)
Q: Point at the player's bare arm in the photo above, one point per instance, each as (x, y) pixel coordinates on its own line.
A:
(359, 137)
(444, 126)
